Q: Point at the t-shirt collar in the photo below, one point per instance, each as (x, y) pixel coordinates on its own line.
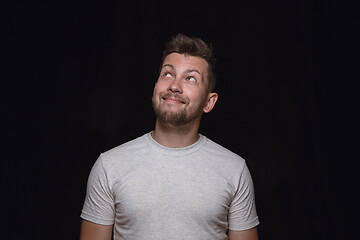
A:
(175, 151)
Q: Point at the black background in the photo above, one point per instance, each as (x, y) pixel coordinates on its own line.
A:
(79, 79)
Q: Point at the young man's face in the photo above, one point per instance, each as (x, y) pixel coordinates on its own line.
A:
(181, 94)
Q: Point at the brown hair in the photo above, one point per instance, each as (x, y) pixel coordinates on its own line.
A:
(183, 44)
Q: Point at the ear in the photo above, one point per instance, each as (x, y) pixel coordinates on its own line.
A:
(210, 103)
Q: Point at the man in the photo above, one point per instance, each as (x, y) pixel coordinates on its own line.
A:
(173, 183)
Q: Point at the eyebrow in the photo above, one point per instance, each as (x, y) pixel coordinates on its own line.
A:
(187, 71)
(192, 70)
(168, 65)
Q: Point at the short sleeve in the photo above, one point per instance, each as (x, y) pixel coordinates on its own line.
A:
(99, 204)
(242, 212)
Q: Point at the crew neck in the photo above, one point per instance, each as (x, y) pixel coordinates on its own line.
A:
(175, 151)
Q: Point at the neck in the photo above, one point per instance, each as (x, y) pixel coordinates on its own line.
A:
(175, 136)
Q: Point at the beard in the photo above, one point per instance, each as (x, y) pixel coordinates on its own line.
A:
(180, 117)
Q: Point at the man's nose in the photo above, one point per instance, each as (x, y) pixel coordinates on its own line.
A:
(175, 86)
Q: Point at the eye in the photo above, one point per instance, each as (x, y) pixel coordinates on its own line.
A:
(167, 74)
(191, 79)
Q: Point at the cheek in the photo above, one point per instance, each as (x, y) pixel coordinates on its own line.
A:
(156, 89)
(197, 96)
(159, 87)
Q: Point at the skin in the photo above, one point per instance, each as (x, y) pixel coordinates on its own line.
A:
(250, 234)
(182, 87)
(93, 231)
(179, 99)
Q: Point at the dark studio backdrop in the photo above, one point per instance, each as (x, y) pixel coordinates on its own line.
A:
(79, 79)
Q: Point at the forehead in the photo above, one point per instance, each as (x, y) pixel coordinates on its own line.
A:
(185, 62)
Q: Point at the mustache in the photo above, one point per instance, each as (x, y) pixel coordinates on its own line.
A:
(173, 96)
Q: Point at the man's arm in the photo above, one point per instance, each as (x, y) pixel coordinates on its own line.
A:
(93, 231)
(250, 234)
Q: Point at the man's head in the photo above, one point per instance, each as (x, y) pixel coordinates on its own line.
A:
(196, 47)
(183, 92)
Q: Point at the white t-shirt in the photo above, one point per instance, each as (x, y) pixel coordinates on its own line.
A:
(149, 191)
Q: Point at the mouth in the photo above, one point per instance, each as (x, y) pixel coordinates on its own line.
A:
(173, 99)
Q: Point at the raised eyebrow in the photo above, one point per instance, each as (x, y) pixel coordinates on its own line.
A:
(193, 70)
(168, 65)
(187, 71)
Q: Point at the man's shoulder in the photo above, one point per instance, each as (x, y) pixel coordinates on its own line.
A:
(223, 161)
(129, 148)
(220, 152)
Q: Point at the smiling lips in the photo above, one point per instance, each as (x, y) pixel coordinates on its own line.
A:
(172, 98)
